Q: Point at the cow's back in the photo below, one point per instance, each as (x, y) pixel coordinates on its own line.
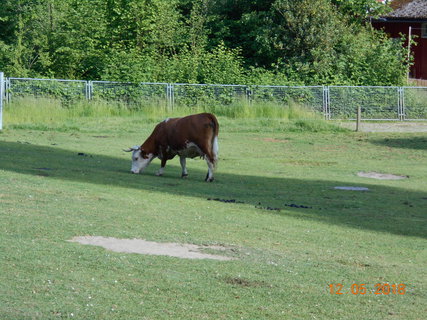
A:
(199, 129)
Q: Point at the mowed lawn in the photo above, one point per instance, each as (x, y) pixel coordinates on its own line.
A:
(291, 233)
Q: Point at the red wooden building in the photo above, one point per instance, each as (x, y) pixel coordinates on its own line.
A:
(409, 17)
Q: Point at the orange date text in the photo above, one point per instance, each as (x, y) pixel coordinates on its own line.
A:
(362, 288)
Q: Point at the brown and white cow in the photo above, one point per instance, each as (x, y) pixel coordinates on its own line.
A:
(188, 137)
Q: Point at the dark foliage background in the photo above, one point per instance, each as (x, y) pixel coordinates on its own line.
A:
(200, 41)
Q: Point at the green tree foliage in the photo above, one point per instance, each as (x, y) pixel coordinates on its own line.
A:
(26, 27)
(361, 9)
(199, 41)
(329, 48)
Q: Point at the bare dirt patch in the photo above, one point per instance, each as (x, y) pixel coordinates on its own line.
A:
(240, 282)
(185, 251)
(381, 176)
(351, 188)
(391, 126)
(272, 140)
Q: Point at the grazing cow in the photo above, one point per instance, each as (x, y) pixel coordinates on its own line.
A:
(188, 137)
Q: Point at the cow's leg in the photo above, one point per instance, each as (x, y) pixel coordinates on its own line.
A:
(210, 160)
(183, 162)
(209, 175)
(162, 167)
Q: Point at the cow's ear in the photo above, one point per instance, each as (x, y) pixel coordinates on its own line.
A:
(144, 154)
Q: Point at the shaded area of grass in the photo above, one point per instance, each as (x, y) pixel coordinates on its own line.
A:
(400, 216)
(417, 143)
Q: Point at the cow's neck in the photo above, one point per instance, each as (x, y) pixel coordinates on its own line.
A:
(149, 147)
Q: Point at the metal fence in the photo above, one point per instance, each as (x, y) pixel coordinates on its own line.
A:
(334, 102)
(2, 87)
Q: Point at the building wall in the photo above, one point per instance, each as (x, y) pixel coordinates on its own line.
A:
(419, 69)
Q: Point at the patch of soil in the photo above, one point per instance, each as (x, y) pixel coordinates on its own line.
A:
(390, 126)
(352, 188)
(245, 282)
(185, 251)
(310, 163)
(272, 140)
(225, 200)
(381, 176)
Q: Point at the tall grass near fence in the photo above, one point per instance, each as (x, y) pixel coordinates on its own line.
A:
(51, 113)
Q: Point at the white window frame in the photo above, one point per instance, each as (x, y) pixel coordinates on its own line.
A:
(424, 30)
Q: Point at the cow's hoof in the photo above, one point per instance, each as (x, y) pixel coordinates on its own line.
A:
(209, 180)
(184, 176)
(159, 174)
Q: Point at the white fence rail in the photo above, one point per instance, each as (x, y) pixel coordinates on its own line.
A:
(334, 102)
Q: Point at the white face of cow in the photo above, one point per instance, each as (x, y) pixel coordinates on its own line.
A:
(140, 159)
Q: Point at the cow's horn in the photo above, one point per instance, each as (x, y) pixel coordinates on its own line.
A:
(131, 149)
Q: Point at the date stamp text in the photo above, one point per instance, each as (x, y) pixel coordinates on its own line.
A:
(362, 288)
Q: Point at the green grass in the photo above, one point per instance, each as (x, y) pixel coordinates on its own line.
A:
(25, 111)
(53, 115)
(285, 259)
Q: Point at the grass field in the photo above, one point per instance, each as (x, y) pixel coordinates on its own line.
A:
(285, 260)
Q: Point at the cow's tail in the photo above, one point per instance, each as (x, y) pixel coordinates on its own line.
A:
(215, 146)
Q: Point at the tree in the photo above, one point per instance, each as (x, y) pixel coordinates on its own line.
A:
(230, 41)
(24, 41)
(79, 41)
(360, 10)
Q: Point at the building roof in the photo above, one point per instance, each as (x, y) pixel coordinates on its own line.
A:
(415, 9)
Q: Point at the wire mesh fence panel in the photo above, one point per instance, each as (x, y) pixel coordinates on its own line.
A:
(65, 90)
(200, 95)
(133, 94)
(415, 103)
(335, 102)
(309, 97)
(377, 103)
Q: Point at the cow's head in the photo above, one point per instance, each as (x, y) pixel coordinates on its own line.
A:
(140, 159)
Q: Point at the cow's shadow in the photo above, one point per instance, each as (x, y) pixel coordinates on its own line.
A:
(306, 199)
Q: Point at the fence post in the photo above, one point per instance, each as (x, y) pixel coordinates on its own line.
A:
(88, 90)
(170, 96)
(326, 112)
(1, 98)
(7, 90)
(249, 95)
(401, 108)
(358, 118)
